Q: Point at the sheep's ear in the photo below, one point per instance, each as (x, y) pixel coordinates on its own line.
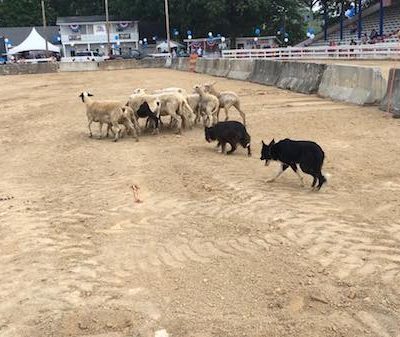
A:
(81, 95)
(90, 95)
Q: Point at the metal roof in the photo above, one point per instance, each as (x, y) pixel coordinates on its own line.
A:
(85, 19)
(18, 34)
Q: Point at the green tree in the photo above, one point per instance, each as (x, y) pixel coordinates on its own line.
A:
(228, 17)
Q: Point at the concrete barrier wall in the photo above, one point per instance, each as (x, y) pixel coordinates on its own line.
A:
(78, 66)
(21, 69)
(266, 72)
(240, 69)
(301, 77)
(391, 101)
(358, 85)
(132, 64)
(202, 65)
(181, 63)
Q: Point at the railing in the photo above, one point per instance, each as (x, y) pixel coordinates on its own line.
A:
(375, 51)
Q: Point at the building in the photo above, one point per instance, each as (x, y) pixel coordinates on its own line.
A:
(260, 42)
(81, 33)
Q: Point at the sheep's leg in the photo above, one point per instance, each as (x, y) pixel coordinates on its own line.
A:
(90, 128)
(242, 114)
(226, 114)
(178, 120)
(101, 130)
(108, 130)
(136, 127)
(218, 111)
(116, 129)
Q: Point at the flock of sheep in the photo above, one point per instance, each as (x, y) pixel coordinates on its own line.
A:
(185, 110)
(204, 104)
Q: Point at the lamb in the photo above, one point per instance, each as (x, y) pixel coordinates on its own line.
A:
(209, 106)
(108, 112)
(227, 99)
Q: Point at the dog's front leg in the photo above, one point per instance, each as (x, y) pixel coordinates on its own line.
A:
(283, 168)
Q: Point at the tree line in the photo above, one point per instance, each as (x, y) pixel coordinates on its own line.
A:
(226, 17)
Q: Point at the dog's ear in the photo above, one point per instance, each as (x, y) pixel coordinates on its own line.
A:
(272, 143)
(263, 143)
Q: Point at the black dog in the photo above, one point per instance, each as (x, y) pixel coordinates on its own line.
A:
(229, 132)
(145, 112)
(308, 155)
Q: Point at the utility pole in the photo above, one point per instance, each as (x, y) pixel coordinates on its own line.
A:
(108, 29)
(45, 28)
(167, 26)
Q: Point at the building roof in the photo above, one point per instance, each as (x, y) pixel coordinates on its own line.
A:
(18, 34)
(93, 18)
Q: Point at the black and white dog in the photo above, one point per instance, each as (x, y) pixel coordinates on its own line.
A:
(229, 132)
(308, 155)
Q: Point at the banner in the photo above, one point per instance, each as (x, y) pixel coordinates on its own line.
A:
(99, 29)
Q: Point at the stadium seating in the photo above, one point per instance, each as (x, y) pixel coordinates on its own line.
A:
(391, 27)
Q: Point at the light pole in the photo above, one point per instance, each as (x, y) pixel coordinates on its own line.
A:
(107, 29)
(45, 28)
(167, 26)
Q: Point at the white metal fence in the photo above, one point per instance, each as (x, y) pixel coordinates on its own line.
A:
(373, 51)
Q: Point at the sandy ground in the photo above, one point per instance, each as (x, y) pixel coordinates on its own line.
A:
(214, 250)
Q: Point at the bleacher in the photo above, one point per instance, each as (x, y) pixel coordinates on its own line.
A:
(391, 27)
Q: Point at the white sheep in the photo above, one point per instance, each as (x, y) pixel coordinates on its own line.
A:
(170, 90)
(111, 113)
(194, 102)
(176, 106)
(209, 106)
(227, 99)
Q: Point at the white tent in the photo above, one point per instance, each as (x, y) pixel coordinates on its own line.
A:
(34, 41)
(163, 46)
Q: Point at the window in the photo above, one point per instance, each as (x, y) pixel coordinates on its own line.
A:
(83, 53)
(89, 29)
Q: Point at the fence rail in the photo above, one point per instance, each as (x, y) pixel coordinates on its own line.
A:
(376, 51)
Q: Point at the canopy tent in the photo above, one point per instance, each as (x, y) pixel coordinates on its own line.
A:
(33, 42)
(163, 46)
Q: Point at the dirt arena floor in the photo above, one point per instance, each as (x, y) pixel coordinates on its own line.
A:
(213, 250)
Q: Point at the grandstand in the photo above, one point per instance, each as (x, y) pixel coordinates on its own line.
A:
(369, 22)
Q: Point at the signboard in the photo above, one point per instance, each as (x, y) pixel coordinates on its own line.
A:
(74, 37)
(124, 36)
(99, 29)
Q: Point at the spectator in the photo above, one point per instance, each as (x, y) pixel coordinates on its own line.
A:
(364, 39)
(373, 36)
(353, 43)
(353, 28)
(199, 52)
